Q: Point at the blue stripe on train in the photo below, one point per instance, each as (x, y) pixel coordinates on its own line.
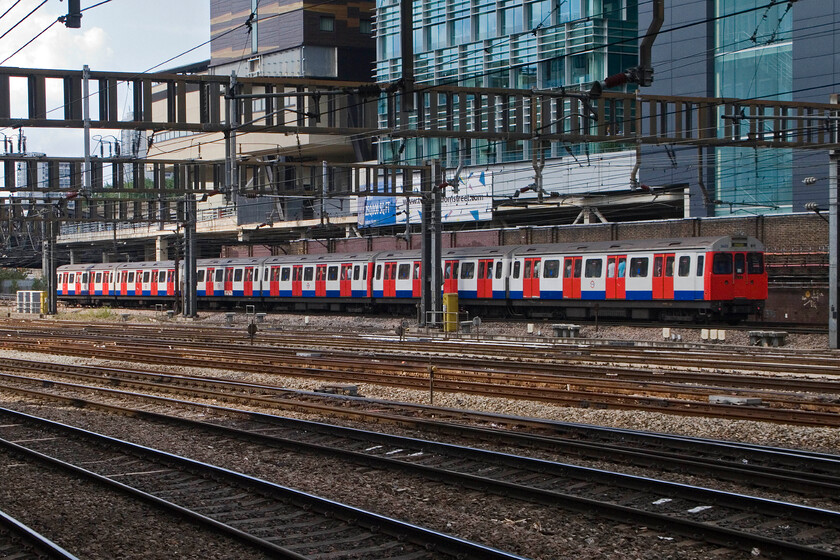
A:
(688, 295)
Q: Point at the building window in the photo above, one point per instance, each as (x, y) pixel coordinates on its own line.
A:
(366, 26)
(327, 23)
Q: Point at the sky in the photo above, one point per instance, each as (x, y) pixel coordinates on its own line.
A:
(118, 36)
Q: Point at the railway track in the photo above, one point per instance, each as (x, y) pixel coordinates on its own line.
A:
(567, 376)
(281, 521)
(738, 520)
(22, 543)
(795, 471)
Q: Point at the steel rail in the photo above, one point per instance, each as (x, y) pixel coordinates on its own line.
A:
(629, 397)
(164, 473)
(23, 543)
(503, 473)
(808, 473)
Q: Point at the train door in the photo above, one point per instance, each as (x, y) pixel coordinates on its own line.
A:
(416, 280)
(485, 278)
(450, 277)
(208, 286)
(616, 265)
(739, 275)
(389, 280)
(228, 285)
(756, 276)
(138, 282)
(170, 282)
(153, 286)
(77, 285)
(248, 286)
(91, 277)
(321, 280)
(297, 280)
(571, 277)
(531, 278)
(346, 280)
(368, 277)
(663, 276)
(274, 281)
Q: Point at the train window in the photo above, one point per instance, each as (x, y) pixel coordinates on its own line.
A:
(447, 270)
(455, 269)
(594, 268)
(684, 267)
(416, 274)
(516, 268)
(552, 269)
(722, 263)
(346, 272)
(755, 263)
(577, 267)
(146, 277)
(669, 266)
(657, 267)
(162, 277)
(307, 274)
(130, 277)
(568, 267)
(237, 275)
(482, 270)
(249, 274)
(356, 271)
(220, 275)
(72, 278)
(286, 272)
(170, 275)
(84, 278)
(499, 269)
(199, 277)
(332, 273)
(639, 267)
(98, 278)
(740, 263)
(404, 272)
(467, 270)
(378, 271)
(364, 272)
(701, 260)
(528, 268)
(536, 273)
(622, 263)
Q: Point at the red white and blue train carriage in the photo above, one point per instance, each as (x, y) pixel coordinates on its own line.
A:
(721, 277)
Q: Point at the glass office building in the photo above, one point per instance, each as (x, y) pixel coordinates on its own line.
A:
(523, 44)
(753, 60)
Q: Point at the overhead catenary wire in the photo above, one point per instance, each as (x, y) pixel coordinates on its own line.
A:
(275, 16)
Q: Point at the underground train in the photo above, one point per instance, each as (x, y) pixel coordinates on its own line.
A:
(719, 278)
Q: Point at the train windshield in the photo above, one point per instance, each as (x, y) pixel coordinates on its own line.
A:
(755, 263)
(722, 263)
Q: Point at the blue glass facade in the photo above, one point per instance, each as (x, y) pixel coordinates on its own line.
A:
(522, 44)
(753, 60)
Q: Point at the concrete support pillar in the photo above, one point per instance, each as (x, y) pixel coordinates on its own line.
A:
(161, 248)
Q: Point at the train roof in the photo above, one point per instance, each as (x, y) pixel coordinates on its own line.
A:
(323, 258)
(721, 243)
(231, 261)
